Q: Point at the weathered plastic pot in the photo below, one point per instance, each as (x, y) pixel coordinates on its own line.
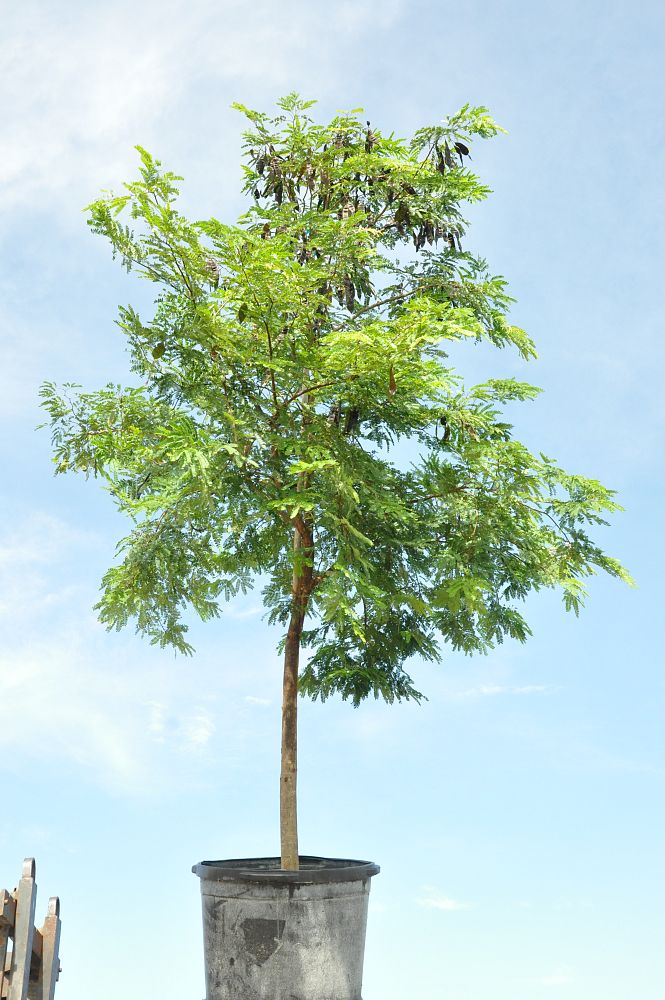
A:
(270, 934)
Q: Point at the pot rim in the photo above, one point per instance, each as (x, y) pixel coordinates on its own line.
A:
(268, 872)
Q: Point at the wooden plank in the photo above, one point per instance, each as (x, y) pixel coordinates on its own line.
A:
(24, 929)
(7, 909)
(4, 978)
(4, 941)
(7, 914)
(43, 988)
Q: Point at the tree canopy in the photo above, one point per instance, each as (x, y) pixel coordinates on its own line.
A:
(286, 356)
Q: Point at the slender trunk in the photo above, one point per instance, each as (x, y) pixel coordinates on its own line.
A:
(301, 589)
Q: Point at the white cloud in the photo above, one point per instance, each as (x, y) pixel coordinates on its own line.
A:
(121, 713)
(197, 729)
(68, 699)
(239, 612)
(26, 553)
(79, 89)
(252, 700)
(492, 690)
(39, 538)
(434, 900)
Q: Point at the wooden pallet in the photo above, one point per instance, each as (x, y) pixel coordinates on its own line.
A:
(29, 962)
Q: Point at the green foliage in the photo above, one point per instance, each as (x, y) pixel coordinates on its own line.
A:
(285, 356)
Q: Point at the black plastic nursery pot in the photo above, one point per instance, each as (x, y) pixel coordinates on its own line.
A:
(270, 934)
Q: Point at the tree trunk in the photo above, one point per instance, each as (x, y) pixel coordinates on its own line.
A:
(301, 589)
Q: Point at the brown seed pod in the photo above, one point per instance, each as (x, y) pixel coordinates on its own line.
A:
(352, 420)
(349, 294)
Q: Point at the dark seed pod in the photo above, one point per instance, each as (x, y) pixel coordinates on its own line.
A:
(402, 214)
(352, 420)
(349, 294)
(461, 149)
(260, 165)
(429, 232)
(447, 155)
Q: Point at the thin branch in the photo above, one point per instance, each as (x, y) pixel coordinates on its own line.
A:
(313, 388)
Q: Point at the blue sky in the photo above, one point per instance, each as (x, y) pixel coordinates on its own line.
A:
(518, 814)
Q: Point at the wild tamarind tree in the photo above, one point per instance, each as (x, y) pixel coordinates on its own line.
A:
(286, 355)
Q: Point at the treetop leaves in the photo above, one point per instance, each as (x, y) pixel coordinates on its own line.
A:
(286, 355)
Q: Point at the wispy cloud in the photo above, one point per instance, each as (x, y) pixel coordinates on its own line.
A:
(435, 900)
(138, 63)
(493, 690)
(70, 700)
(193, 730)
(27, 550)
(239, 612)
(129, 720)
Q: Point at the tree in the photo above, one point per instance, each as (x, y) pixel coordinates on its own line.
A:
(286, 355)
